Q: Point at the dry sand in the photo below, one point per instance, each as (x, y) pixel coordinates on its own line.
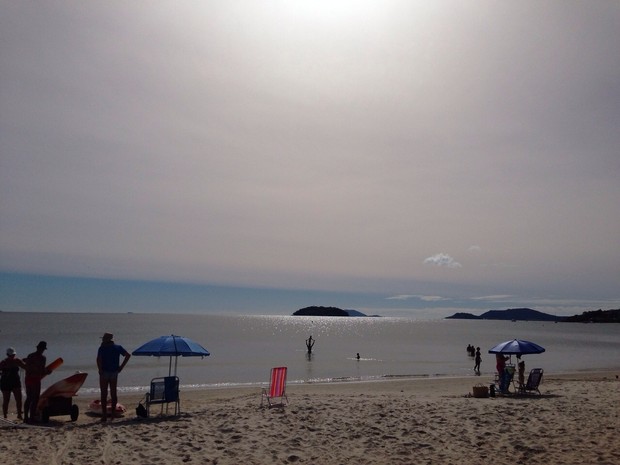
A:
(421, 421)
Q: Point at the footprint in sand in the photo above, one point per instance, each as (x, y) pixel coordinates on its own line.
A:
(57, 457)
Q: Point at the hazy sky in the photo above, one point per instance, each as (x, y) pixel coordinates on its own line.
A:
(425, 150)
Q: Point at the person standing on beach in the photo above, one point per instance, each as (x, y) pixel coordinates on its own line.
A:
(109, 366)
(478, 361)
(521, 368)
(500, 366)
(309, 344)
(10, 382)
(35, 371)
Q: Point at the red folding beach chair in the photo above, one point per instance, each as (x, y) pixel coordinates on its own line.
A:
(277, 388)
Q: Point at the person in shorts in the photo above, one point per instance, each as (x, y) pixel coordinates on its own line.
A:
(10, 381)
(109, 366)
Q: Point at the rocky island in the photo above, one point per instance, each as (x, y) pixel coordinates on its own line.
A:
(327, 311)
(520, 314)
(527, 314)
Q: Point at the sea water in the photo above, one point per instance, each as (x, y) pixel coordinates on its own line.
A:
(244, 348)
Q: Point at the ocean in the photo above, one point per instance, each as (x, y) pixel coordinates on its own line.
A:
(244, 348)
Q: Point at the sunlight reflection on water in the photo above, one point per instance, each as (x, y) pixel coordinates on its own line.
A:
(244, 348)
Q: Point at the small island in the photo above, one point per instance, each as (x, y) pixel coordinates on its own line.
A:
(517, 314)
(528, 314)
(328, 311)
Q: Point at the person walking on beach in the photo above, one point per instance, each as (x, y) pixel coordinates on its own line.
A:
(109, 366)
(10, 382)
(478, 361)
(309, 344)
(35, 371)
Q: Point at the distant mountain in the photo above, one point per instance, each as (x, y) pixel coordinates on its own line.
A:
(519, 314)
(326, 311)
(355, 313)
(596, 316)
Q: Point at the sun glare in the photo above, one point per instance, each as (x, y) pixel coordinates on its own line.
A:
(331, 12)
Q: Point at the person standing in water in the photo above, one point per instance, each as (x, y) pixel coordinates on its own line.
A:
(309, 344)
(478, 361)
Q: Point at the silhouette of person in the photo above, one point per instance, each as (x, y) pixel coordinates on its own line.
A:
(10, 382)
(35, 371)
(357, 356)
(478, 361)
(309, 344)
(109, 366)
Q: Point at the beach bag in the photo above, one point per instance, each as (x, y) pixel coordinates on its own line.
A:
(141, 410)
(480, 391)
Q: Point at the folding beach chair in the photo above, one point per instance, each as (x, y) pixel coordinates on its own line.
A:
(504, 380)
(277, 388)
(164, 391)
(533, 381)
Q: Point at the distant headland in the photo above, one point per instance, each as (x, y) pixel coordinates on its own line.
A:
(528, 314)
(510, 314)
(328, 311)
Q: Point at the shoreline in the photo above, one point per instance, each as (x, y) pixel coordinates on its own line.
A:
(131, 390)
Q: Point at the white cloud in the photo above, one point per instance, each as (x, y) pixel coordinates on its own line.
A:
(474, 248)
(442, 259)
(493, 297)
(431, 298)
(401, 297)
(425, 298)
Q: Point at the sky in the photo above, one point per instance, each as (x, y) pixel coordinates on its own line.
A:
(426, 152)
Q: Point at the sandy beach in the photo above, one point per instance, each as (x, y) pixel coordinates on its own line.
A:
(401, 421)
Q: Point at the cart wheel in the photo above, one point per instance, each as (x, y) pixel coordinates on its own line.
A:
(45, 415)
(75, 412)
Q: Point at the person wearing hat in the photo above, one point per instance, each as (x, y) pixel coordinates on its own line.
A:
(109, 366)
(35, 371)
(10, 381)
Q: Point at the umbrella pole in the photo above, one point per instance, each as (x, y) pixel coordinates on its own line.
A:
(170, 366)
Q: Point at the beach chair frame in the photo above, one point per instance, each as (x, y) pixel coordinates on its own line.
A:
(164, 391)
(276, 389)
(533, 381)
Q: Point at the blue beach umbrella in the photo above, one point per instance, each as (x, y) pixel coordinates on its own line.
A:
(171, 346)
(517, 347)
